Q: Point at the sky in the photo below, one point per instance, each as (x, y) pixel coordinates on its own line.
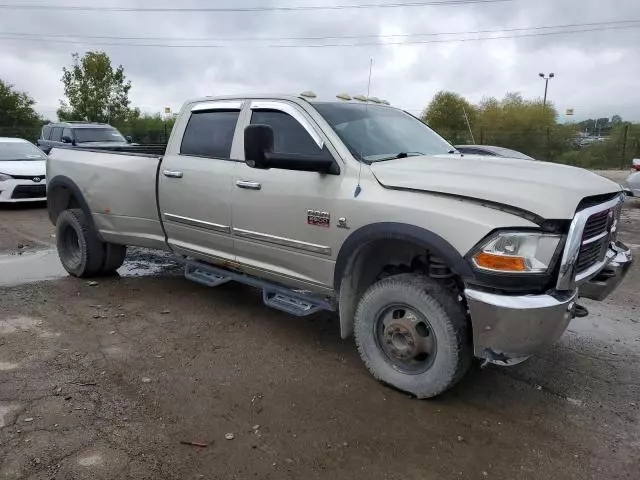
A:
(597, 72)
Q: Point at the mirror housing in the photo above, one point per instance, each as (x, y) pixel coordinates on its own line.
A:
(258, 141)
(67, 139)
(129, 138)
(258, 151)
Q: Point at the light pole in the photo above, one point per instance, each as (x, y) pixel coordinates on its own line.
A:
(546, 85)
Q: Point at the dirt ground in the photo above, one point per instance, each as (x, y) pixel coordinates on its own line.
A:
(104, 381)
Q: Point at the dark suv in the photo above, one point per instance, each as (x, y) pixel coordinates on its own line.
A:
(80, 133)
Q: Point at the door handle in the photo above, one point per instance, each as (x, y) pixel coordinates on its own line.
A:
(172, 173)
(248, 185)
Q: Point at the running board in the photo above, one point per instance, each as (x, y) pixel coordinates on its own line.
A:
(275, 296)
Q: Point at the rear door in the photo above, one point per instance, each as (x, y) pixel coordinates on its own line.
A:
(195, 181)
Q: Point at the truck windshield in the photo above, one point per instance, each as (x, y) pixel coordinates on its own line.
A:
(84, 135)
(19, 151)
(375, 133)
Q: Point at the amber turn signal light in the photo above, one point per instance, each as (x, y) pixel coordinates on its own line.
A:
(501, 263)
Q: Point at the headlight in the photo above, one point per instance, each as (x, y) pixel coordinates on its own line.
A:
(4, 176)
(517, 252)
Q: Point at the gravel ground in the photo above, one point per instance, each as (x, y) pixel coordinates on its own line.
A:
(104, 381)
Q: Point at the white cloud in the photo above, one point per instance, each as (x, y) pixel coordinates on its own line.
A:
(596, 72)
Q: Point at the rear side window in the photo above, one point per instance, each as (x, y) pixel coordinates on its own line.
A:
(46, 131)
(56, 134)
(210, 134)
(288, 135)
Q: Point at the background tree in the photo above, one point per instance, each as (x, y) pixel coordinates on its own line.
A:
(445, 114)
(18, 118)
(94, 90)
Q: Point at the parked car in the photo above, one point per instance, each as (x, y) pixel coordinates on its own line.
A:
(22, 171)
(635, 164)
(633, 184)
(87, 134)
(430, 257)
(492, 151)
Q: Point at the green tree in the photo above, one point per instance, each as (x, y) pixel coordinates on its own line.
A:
(94, 90)
(523, 125)
(145, 128)
(18, 116)
(446, 115)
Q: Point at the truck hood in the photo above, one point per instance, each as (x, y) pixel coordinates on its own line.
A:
(549, 190)
(36, 168)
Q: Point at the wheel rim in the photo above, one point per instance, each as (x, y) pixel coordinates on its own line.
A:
(71, 247)
(406, 338)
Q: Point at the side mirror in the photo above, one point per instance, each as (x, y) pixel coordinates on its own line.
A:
(258, 140)
(258, 151)
(66, 139)
(129, 138)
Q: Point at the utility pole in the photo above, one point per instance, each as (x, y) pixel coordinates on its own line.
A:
(546, 79)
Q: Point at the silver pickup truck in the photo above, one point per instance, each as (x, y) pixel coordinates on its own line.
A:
(430, 257)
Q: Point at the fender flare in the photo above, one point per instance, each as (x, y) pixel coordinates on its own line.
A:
(399, 231)
(61, 181)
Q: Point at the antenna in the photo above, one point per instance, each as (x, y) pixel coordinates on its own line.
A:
(366, 109)
(473, 140)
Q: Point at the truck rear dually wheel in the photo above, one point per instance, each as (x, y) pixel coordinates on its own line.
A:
(80, 250)
(413, 335)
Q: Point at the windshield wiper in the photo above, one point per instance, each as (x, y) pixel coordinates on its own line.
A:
(399, 155)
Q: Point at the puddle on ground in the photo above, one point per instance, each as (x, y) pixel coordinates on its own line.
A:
(17, 324)
(90, 460)
(45, 265)
(5, 410)
(6, 366)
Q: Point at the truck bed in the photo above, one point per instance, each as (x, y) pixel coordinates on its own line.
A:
(119, 185)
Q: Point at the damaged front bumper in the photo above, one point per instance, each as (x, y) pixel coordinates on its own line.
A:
(508, 329)
(607, 280)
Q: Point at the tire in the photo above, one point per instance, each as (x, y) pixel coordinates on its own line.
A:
(81, 252)
(432, 319)
(113, 258)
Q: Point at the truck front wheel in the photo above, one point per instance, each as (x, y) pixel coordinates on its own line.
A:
(81, 252)
(413, 335)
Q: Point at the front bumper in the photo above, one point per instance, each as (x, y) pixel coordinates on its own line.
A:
(607, 280)
(508, 329)
(18, 190)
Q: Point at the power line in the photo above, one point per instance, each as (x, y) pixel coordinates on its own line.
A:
(362, 6)
(321, 45)
(612, 23)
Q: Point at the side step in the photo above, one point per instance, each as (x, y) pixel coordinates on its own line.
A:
(275, 296)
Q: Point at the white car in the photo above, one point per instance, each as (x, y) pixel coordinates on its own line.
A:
(633, 184)
(22, 171)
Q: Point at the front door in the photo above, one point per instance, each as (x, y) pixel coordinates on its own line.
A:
(195, 184)
(284, 224)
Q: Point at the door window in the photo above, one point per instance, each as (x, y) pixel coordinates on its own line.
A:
(288, 135)
(210, 134)
(67, 133)
(46, 131)
(56, 134)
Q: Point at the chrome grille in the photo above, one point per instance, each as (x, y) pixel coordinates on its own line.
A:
(587, 247)
(595, 238)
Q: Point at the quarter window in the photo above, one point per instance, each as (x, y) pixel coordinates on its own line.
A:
(46, 131)
(288, 135)
(210, 134)
(56, 134)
